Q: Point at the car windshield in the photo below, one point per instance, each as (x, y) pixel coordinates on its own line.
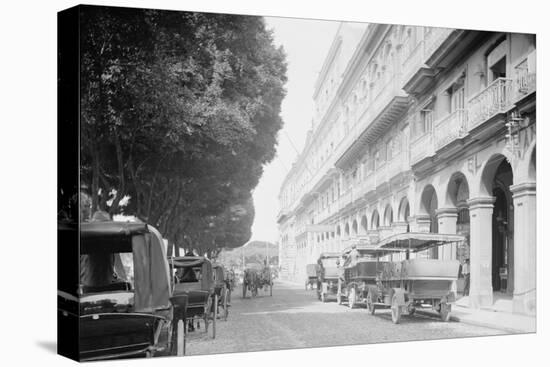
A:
(106, 271)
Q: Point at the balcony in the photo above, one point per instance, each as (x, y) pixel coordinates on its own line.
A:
(387, 106)
(491, 101)
(449, 128)
(422, 147)
(526, 83)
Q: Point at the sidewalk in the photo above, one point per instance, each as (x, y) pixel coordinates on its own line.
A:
(496, 317)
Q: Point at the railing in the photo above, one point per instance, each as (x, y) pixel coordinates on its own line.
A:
(449, 128)
(496, 98)
(434, 38)
(422, 147)
(526, 83)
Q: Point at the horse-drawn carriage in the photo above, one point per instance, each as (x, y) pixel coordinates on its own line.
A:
(122, 302)
(360, 271)
(328, 275)
(256, 277)
(194, 277)
(312, 275)
(222, 289)
(410, 280)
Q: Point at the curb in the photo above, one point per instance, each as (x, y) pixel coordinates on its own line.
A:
(489, 325)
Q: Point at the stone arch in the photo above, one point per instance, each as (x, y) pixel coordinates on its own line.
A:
(354, 227)
(388, 216)
(428, 206)
(488, 172)
(404, 210)
(375, 220)
(364, 224)
(346, 230)
(458, 190)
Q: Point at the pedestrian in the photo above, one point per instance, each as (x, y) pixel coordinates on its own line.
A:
(353, 256)
(466, 274)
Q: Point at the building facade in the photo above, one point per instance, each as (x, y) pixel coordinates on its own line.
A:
(422, 129)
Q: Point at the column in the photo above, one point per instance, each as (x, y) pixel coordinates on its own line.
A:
(525, 235)
(481, 242)
(446, 219)
(420, 223)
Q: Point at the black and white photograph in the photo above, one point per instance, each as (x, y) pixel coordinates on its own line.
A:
(243, 180)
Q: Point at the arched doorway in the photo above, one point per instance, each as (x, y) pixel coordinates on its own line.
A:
(375, 221)
(388, 216)
(458, 193)
(503, 226)
(428, 206)
(404, 212)
(364, 224)
(496, 180)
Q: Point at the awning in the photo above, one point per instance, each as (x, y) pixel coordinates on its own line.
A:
(416, 241)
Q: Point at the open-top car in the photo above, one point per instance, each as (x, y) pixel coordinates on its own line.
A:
(411, 280)
(194, 277)
(328, 275)
(360, 265)
(123, 300)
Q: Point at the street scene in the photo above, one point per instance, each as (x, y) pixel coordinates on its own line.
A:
(295, 318)
(250, 183)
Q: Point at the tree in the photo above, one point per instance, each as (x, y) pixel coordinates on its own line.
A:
(180, 111)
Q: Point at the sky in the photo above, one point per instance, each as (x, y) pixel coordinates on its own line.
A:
(306, 43)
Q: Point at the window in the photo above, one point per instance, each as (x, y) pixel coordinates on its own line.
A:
(426, 121)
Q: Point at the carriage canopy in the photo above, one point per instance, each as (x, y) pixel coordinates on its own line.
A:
(125, 257)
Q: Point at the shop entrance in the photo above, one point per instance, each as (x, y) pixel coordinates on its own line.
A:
(502, 230)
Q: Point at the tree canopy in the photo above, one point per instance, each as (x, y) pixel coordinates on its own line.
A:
(179, 113)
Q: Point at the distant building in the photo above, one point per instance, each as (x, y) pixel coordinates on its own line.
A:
(425, 130)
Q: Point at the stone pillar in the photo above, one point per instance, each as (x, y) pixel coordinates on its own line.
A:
(481, 244)
(446, 219)
(525, 235)
(420, 223)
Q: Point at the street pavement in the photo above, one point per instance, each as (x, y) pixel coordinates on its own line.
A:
(294, 318)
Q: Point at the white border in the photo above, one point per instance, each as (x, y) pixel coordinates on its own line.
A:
(29, 179)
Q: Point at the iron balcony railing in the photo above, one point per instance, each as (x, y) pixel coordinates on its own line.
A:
(449, 128)
(496, 98)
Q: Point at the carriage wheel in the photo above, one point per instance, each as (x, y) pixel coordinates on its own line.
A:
(395, 310)
(370, 303)
(445, 312)
(352, 297)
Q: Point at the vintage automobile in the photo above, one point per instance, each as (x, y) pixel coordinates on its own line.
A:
(410, 280)
(311, 272)
(222, 290)
(194, 278)
(123, 301)
(328, 275)
(359, 274)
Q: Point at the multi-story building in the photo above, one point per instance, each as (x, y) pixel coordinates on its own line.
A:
(425, 130)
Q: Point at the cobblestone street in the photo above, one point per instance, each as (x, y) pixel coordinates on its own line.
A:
(294, 318)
